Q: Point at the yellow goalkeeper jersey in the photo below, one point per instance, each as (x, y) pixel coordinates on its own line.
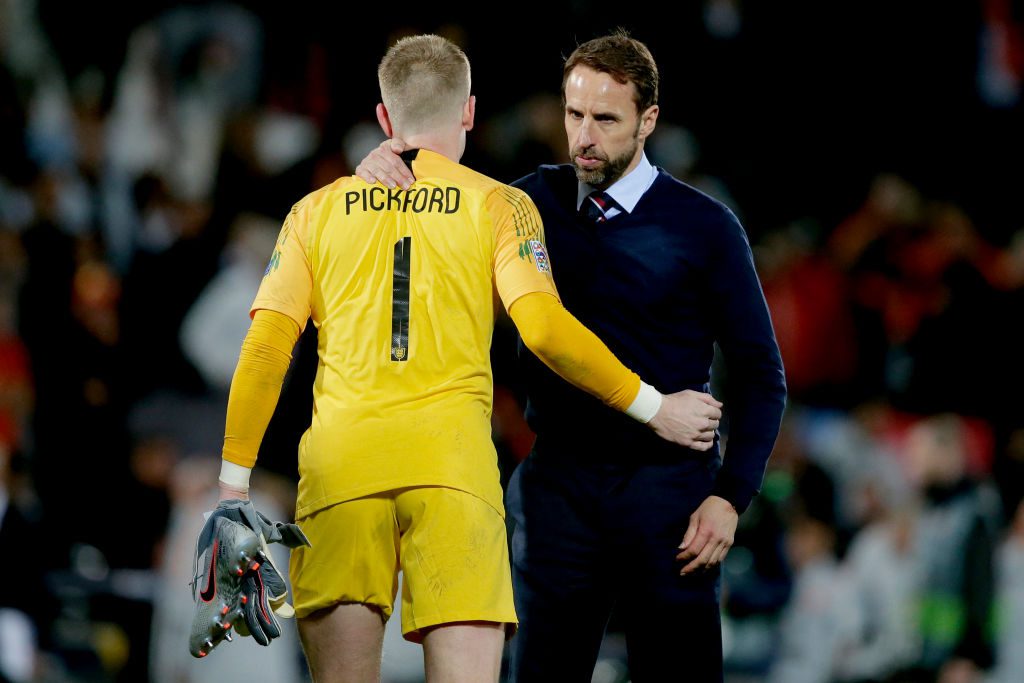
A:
(400, 287)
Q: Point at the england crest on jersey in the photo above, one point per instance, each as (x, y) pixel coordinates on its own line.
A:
(540, 256)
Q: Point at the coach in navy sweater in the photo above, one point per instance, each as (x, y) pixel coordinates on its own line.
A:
(660, 272)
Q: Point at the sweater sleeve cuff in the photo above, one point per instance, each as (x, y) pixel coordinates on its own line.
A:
(734, 490)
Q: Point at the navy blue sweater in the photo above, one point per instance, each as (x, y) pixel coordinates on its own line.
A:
(659, 286)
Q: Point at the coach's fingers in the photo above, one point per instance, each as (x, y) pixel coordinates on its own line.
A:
(691, 533)
(402, 175)
(696, 546)
(396, 146)
(717, 556)
(383, 165)
(711, 412)
(393, 171)
(701, 560)
(711, 400)
(374, 169)
(365, 173)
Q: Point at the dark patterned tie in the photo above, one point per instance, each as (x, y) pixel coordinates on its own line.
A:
(595, 205)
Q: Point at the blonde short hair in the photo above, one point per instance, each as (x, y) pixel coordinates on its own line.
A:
(424, 81)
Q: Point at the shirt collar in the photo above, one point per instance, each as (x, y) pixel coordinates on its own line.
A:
(627, 190)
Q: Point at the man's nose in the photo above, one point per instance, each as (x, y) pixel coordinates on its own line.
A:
(583, 135)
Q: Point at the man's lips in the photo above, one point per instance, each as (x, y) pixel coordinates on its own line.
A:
(588, 162)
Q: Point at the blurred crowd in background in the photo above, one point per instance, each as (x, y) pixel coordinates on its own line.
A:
(148, 155)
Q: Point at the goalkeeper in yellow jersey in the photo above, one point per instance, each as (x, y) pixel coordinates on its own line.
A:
(398, 470)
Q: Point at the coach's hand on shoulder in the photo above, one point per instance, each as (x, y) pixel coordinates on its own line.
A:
(688, 418)
(384, 165)
(710, 535)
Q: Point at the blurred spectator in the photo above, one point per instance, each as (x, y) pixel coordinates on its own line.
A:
(859, 246)
(954, 544)
(945, 299)
(69, 323)
(891, 203)
(16, 386)
(26, 609)
(215, 325)
(816, 622)
(1009, 605)
(757, 577)
(1000, 74)
(185, 73)
(165, 276)
(676, 149)
(855, 449)
(882, 571)
(522, 137)
(358, 142)
(809, 300)
(18, 652)
(1008, 470)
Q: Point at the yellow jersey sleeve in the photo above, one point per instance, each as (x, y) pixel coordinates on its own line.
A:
(262, 364)
(521, 264)
(566, 346)
(287, 285)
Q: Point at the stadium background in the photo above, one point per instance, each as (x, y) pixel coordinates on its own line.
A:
(872, 150)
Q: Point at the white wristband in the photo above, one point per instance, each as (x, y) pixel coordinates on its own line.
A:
(235, 476)
(646, 404)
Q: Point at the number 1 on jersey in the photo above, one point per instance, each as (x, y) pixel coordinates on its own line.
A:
(400, 300)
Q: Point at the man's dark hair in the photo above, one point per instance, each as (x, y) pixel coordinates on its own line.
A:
(625, 59)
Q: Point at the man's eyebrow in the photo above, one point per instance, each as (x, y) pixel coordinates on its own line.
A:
(597, 115)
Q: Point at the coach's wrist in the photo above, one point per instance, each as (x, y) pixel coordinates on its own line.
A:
(734, 490)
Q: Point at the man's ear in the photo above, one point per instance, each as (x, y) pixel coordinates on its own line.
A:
(468, 113)
(647, 121)
(384, 120)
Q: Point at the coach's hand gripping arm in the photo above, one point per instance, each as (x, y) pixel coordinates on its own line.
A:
(562, 343)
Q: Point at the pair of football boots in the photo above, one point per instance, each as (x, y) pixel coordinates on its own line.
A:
(235, 583)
